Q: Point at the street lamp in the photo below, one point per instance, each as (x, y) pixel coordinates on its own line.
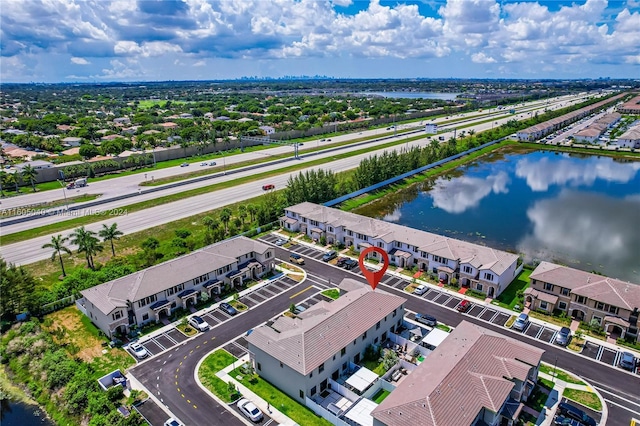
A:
(64, 192)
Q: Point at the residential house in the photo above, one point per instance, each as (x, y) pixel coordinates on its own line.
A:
(612, 303)
(153, 293)
(453, 261)
(630, 107)
(301, 355)
(71, 141)
(630, 138)
(267, 130)
(474, 377)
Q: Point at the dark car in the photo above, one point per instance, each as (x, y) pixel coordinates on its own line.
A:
(228, 308)
(341, 261)
(329, 255)
(350, 264)
(566, 421)
(268, 187)
(568, 410)
(627, 361)
(429, 320)
(563, 336)
(463, 306)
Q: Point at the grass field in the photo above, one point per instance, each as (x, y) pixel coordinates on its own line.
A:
(586, 398)
(207, 373)
(508, 298)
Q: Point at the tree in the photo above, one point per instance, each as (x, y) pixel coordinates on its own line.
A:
(17, 288)
(29, 174)
(88, 151)
(87, 243)
(252, 209)
(225, 217)
(110, 233)
(57, 244)
(242, 212)
(150, 243)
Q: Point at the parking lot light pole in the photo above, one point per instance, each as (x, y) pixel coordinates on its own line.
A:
(555, 364)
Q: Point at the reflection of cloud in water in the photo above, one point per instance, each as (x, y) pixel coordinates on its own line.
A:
(459, 194)
(593, 227)
(393, 216)
(543, 173)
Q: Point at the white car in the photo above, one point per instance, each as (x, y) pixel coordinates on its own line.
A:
(138, 350)
(198, 323)
(420, 290)
(172, 422)
(249, 409)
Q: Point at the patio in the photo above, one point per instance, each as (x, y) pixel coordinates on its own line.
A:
(333, 402)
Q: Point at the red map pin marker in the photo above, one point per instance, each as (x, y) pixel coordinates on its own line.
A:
(374, 277)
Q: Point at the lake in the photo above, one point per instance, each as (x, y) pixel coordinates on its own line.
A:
(416, 95)
(580, 211)
(20, 414)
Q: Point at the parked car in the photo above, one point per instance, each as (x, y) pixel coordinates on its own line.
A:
(341, 260)
(329, 255)
(350, 264)
(198, 323)
(521, 322)
(566, 421)
(420, 290)
(268, 187)
(228, 308)
(280, 241)
(184, 165)
(427, 319)
(172, 422)
(249, 409)
(138, 350)
(296, 258)
(627, 361)
(568, 410)
(463, 306)
(563, 336)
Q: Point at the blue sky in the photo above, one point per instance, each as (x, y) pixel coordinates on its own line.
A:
(127, 40)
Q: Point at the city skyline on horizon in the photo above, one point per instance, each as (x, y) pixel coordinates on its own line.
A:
(69, 41)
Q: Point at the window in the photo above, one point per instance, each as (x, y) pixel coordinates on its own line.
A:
(384, 336)
(331, 229)
(394, 312)
(548, 286)
(259, 367)
(313, 391)
(598, 319)
(377, 325)
(335, 375)
(613, 310)
(580, 299)
(600, 306)
(543, 305)
(116, 315)
(381, 245)
(562, 306)
(439, 259)
(321, 368)
(301, 394)
(311, 374)
(145, 317)
(355, 342)
(344, 366)
(479, 287)
(424, 254)
(564, 291)
(467, 269)
(364, 336)
(397, 244)
(356, 358)
(350, 233)
(267, 254)
(281, 365)
(488, 276)
(343, 351)
(375, 341)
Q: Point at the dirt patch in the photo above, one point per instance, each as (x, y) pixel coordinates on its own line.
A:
(67, 328)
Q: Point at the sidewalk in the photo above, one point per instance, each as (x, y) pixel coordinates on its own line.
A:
(485, 302)
(267, 409)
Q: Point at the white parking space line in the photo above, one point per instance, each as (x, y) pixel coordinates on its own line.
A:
(553, 337)
(175, 342)
(539, 333)
(494, 316)
(599, 355)
(158, 343)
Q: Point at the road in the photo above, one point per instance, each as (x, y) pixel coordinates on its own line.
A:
(171, 375)
(29, 251)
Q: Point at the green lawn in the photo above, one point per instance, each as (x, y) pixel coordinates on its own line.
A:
(333, 293)
(548, 369)
(375, 366)
(508, 297)
(207, 373)
(537, 399)
(279, 400)
(380, 396)
(588, 399)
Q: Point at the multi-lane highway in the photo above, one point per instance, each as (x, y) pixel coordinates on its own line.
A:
(170, 376)
(30, 251)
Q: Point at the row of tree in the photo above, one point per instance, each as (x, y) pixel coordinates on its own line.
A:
(9, 181)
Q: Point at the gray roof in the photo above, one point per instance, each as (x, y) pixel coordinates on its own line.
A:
(470, 370)
(480, 257)
(321, 331)
(157, 278)
(595, 287)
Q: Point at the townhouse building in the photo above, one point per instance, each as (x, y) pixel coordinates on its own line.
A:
(632, 106)
(302, 355)
(453, 261)
(630, 138)
(612, 303)
(474, 377)
(153, 293)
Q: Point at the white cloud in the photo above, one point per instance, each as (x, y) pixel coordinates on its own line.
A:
(79, 61)
(481, 58)
(461, 194)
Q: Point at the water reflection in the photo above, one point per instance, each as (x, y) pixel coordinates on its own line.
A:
(541, 173)
(586, 230)
(459, 194)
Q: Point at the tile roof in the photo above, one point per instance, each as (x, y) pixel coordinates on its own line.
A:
(481, 257)
(321, 331)
(157, 278)
(470, 370)
(595, 287)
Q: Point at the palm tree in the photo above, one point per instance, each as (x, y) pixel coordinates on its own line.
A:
(3, 176)
(87, 243)
(225, 217)
(252, 209)
(29, 174)
(57, 244)
(110, 233)
(242, 212)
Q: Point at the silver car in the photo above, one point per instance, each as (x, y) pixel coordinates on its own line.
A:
(522, 322)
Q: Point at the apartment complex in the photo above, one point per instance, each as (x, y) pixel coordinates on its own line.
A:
(632, 106)
(474, 266)
(153, 293)
(593, 131)
(474, 377)
(302, 355)
(614, 304)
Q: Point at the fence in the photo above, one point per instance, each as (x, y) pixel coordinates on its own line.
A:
(58, 304)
